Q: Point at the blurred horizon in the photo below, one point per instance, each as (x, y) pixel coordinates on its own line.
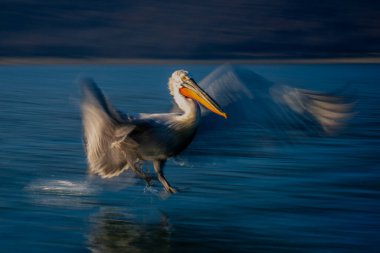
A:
(189, 30)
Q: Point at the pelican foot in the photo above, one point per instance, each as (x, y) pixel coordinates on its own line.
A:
(148, 180)
(170, 189)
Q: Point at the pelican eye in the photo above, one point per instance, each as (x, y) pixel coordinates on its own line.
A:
(185, 78)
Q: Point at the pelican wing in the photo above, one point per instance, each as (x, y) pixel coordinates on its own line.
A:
(329, 111)
(248, 97)
(105, 133)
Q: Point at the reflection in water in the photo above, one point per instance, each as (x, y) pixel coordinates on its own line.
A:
(116, 231)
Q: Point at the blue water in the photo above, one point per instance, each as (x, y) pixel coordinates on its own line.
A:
(240, 191)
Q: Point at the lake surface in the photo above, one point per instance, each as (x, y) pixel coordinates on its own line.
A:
(239, 192)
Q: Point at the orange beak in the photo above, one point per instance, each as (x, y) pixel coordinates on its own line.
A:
(191, 90)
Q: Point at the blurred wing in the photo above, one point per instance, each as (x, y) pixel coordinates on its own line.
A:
(329, 111)
(231, 92)
(105, 133)
(249, 98)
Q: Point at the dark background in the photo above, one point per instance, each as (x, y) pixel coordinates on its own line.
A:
(194, 29)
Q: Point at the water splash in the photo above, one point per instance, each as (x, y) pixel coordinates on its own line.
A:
(62, 193)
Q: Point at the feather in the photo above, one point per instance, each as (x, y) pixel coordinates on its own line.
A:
(105, 133)
(250, 98)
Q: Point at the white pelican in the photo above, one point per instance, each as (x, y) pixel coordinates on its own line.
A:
(115, 142)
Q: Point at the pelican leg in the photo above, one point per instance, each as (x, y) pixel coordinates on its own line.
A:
(141, 174)
(158, 167)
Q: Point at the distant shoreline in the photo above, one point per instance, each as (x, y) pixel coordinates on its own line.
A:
(128, 61)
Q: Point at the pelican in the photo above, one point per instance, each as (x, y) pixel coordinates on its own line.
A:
(115, 142)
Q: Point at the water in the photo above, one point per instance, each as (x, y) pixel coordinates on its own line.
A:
(240, 191)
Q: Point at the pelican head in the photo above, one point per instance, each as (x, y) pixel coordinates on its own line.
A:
(182, 84)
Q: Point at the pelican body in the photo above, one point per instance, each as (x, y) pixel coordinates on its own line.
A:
(115, 142)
